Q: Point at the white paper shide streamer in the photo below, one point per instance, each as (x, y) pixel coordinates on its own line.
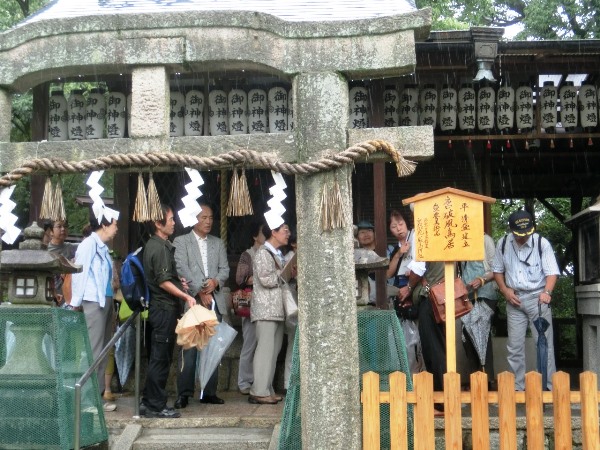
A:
(191, 208)
(98, 207)
(274, 215)
(7, 218)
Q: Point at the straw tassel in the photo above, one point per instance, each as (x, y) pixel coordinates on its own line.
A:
(332, 210)
(154, 204)
(140, 211)
(59, 204)
(239, 203)
(47, 200)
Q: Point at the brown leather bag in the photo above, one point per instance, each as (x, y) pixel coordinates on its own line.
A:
(437, 297)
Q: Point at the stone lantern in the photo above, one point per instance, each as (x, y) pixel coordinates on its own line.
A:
(586, 229)
(44, 350)
(366, 261)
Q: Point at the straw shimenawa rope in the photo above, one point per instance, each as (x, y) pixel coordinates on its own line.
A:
(237, 157)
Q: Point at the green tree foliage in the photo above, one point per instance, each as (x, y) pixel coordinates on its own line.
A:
(540, 19)
(14, 11)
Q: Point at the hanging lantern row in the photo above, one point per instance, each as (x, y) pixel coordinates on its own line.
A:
(235, 112)
(99, 115)
(483, 109)
(96, 115)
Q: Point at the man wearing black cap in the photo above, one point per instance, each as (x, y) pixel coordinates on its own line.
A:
(526, 271)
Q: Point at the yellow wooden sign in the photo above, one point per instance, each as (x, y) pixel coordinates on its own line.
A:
(448, 225)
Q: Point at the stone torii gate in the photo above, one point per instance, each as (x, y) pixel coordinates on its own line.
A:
(319, 52)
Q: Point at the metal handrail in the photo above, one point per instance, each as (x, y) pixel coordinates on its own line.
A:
(85, 377)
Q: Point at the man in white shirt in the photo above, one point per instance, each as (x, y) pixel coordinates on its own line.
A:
(526, 271)
(202, 260)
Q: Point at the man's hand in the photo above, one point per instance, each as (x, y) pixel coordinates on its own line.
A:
(184, 284)
(205, 299)
(209, 286)
(191, 301)
(511, 297)
(403, 293)
(545, 298)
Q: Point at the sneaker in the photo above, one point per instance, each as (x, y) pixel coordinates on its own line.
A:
(109, 407)
(166, 413)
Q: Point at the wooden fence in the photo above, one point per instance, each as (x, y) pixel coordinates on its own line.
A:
(423, 398)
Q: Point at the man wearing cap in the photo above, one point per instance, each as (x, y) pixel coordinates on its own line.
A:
(365, 236)
(526, 271)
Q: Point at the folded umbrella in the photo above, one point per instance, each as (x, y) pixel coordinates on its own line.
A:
(125, 353)
(477, 324)
(210, 356)
(196, 327)
(541, 325)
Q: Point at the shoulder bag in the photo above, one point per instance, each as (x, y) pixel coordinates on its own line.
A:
(437, 297)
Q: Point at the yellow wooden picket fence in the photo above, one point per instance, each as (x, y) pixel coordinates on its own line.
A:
(423, 398)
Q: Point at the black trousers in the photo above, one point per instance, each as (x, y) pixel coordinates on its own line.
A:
(163, 339)
(186, 375)
(433, 343)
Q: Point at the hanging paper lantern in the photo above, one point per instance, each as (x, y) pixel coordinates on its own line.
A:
(290, 111)
(485, 107)
(428, 102)
(391, 107)
(466, 107)
(217, 112)
(588, 105)
(278, 109)
(128, 112)
(58, 117)
(76, 108)
(549, 106)
(95, 114)
(568, 105)
(194, 113)
(237, 103)
(116, 115)
(448, 108)
(358, 114)
(257, 111)
(505, 108)
(409, 106)
(177, 113)
(524, 113)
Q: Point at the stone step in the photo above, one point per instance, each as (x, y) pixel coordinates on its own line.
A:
(204, 438)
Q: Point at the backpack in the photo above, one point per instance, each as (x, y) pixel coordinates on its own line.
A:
(133, 282)
(539, 244)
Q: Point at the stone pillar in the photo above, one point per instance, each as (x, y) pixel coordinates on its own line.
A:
(149, 102)
(5, 115)
(328, 340)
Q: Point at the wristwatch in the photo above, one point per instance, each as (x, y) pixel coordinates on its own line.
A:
(548, 292)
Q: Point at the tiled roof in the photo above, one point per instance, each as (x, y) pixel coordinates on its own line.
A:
(289, 10)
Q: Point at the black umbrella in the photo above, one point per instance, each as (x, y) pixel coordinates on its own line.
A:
(541, 325)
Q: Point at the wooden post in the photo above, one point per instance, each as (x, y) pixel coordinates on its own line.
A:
(371, 421)
(452, 411)
(507, 411)
(589, 410)
(398, 412)
(450, 322)
(534, 411)
(480, 411)
(563, 434)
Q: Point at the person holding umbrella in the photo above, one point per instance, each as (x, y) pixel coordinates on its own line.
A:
(202, 260)
(479, 279)
(526, 272)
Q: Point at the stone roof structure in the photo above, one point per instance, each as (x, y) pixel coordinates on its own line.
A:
(289, 10)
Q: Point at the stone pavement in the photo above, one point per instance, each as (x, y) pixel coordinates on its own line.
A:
(235, 418)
